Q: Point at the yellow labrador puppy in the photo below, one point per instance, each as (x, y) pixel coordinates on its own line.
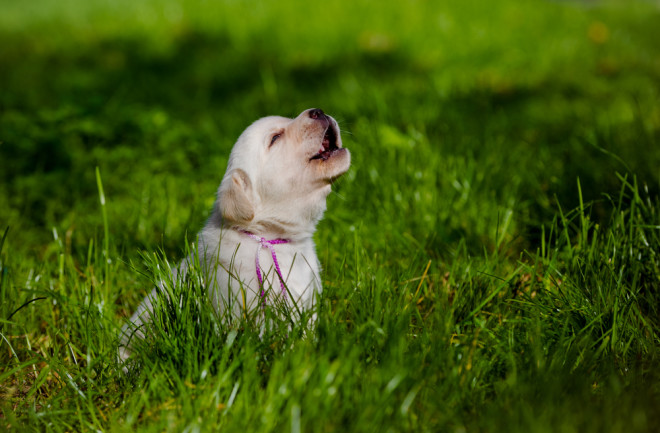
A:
(257, 245)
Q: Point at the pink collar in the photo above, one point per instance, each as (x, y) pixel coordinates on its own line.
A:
(267, 243)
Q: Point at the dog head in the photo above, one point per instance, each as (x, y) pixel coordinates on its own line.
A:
(280, 172)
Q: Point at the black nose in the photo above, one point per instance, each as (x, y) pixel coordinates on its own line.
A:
(315, 113)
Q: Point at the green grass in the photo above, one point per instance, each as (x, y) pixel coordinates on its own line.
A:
(491, 260)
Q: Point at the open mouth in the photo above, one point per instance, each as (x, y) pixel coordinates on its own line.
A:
(328, 145)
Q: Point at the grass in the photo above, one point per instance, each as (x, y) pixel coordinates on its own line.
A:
(490, 260)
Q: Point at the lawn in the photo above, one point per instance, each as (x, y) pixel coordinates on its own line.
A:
(491, 260)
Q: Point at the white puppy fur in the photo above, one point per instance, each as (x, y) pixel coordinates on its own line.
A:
(279, 174)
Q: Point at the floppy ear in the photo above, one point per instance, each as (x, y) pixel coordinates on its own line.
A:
(235, 197)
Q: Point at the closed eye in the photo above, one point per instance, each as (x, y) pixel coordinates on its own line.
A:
(274, 138)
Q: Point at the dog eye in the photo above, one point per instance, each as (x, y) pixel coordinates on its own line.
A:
(274, 139)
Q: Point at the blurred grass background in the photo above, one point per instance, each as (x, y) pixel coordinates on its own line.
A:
(501, 107)
(470, 124)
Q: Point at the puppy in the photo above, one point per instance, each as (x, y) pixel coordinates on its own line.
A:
(257, 246)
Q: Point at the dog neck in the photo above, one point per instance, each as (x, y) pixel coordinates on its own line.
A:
(270, 219)
(261, 239)
(275, 229)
